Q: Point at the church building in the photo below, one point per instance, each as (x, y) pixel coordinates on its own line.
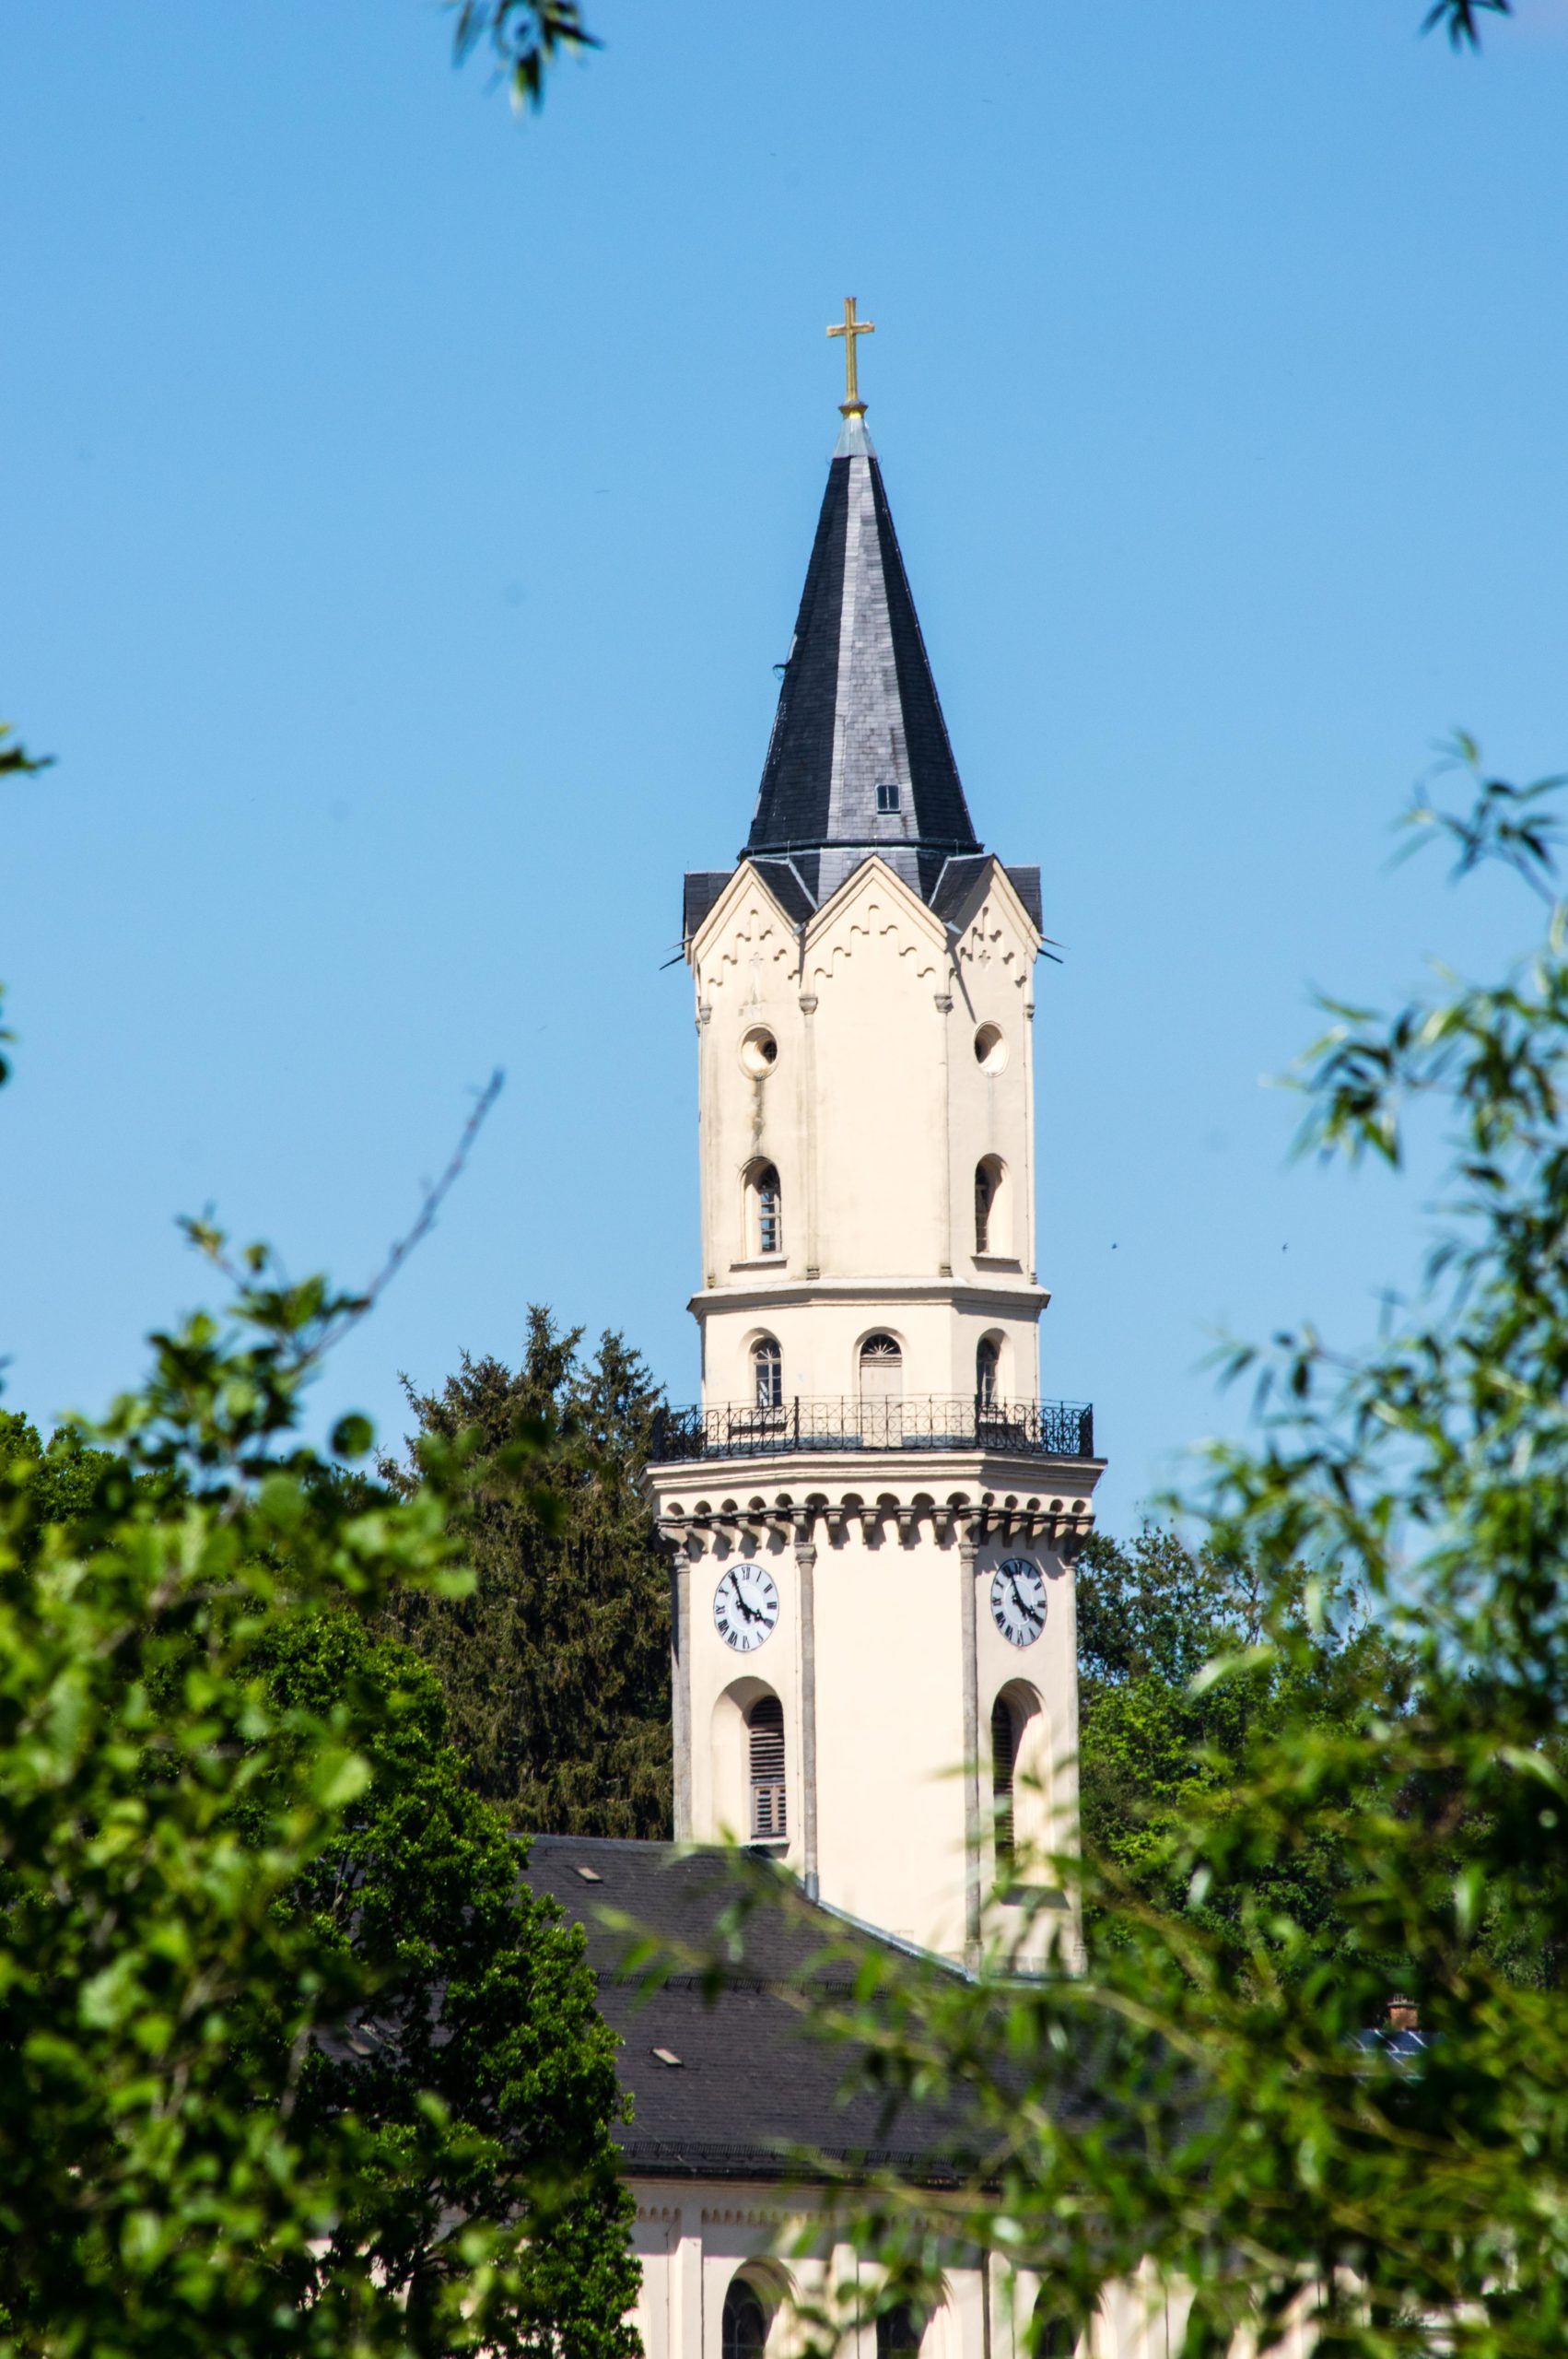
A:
(873, 1513)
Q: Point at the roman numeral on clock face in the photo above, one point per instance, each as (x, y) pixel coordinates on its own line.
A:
(745, 1606)
(1018, 1601)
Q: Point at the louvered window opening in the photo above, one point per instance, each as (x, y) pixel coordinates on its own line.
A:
(769, 1806)
(1004, 1748)
(769, 1211)
(985, 1197)
(744, 2332)
(767, 1361)
(1056, 2336)
(897, 2333)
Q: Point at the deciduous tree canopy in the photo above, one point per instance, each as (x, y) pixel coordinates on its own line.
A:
(294, 2063)
(1210, 2102)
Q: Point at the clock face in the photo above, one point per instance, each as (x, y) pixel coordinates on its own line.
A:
(745, 1606)
(1018, 1601)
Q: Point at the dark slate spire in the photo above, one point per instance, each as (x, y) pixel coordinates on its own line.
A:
(858, 726)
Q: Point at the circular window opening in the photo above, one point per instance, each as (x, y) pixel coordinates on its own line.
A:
(759, 1050)
(990, 1048)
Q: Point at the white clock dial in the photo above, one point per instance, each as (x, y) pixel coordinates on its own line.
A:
(745, 1606)
(1018, 1601)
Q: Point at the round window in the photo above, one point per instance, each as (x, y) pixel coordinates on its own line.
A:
(990, 1048)
(759, 1050)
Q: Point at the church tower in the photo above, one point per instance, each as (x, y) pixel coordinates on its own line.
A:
(873, 1514)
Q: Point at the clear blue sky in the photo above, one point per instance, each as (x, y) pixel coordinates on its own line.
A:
(404, 507)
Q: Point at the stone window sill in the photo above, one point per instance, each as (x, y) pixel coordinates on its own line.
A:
(998, 1261)
(763, 1262)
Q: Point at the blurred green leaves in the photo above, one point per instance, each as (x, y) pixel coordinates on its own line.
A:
(525, 36)
(1358, 1793)
(294, 2065)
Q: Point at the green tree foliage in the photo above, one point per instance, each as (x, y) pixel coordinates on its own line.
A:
(1160, 1745)
(557, 1666)
(66, 1480)
(240, 1879)
(485, 2079)
(1209, 2099)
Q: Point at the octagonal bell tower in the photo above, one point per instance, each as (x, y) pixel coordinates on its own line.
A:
(873, 1514)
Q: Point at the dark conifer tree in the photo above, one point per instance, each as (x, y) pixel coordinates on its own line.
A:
(557, 1668)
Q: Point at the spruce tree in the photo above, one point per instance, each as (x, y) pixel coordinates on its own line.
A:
(557, 1668)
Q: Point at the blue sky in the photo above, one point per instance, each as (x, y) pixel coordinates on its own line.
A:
(406, 506)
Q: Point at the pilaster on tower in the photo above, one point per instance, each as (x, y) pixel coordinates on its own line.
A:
(875, 1514)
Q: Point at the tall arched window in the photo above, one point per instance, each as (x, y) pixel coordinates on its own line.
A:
(767, 1372)
(1053, 2337)
(769, 1209)
(765, 1736)
(898, 2333)
(1004, 1758)
(987, 1361)
(988, 1238)
(744, 2332)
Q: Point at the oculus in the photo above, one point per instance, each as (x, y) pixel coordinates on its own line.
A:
(759, 1051)
(1018, 1601)
(990, 1048)
(745, 1607)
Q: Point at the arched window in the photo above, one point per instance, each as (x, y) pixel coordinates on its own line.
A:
(988, 1238)
(898, 2333)
(988, 1360)
(764, 1726)
(769, 1209)
(1052, 2336)
(768, 1369)
(882, 1367)
(744, 2332)
(1004, 1759)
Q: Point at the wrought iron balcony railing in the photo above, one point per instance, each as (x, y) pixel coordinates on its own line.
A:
(922, 1421)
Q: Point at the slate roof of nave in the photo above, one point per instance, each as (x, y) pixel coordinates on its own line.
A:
(858, 725)
(752, 2083)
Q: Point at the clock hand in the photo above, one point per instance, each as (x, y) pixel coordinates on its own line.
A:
(1027, 1607)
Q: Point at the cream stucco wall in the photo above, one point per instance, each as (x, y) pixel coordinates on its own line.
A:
(873, 1056)
(875, 1112)
(886, 1660)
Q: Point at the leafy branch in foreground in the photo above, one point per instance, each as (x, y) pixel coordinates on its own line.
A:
(295, 2066)
(1460, 19)
(526, 37)
(1210, 2111)
(15, 761)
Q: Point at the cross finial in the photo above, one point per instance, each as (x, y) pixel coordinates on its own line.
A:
(853, 406)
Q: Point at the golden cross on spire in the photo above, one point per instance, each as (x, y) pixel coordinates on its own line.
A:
(853, 406)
